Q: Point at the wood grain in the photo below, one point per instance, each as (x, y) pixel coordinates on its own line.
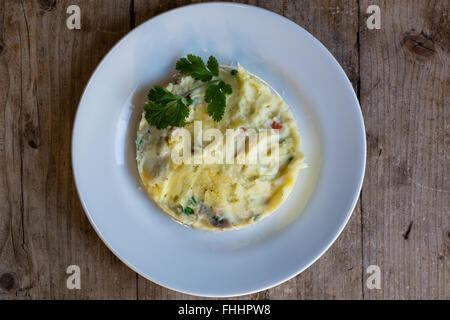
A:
(44, 67)
(400, 73)
(405, 100)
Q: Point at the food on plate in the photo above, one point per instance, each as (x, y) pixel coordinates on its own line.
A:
(216, 195)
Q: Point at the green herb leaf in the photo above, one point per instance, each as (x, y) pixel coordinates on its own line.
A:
(193, 201)
(213, 66)
(187, 210)
(195, 67)
(161, 95)
(233, 72)
(215, 96)
(165, 109)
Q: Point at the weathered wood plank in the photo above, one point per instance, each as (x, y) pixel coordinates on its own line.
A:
(44, 69)
(404, 96)
(405, 99)
(14, 262)
(338, 273)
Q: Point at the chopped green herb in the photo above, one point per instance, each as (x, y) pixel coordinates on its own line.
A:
(139, 142)
(187, 210)
(257, 216)
(193, 201)
(290, 159)
(233, 72)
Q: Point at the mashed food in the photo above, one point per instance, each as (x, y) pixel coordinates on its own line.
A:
(221, 196)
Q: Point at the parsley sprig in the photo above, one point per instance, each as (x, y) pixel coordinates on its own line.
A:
(167, 109)
(194, 66)
(215, 96)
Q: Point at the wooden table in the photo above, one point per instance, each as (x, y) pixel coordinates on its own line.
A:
(400, 73)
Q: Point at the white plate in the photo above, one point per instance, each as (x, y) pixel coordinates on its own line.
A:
(219, 263)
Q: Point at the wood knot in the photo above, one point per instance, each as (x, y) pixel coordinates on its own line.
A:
(32, 144)
(31, 133)
(408, 230)
(418, 44)
(8, 281)
(47, 5)
(447, 236)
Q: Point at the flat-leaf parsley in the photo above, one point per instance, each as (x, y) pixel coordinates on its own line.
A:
(215, 96)
(195, 67)
(167, 109)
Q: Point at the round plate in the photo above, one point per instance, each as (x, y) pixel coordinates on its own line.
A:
(228, 263)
